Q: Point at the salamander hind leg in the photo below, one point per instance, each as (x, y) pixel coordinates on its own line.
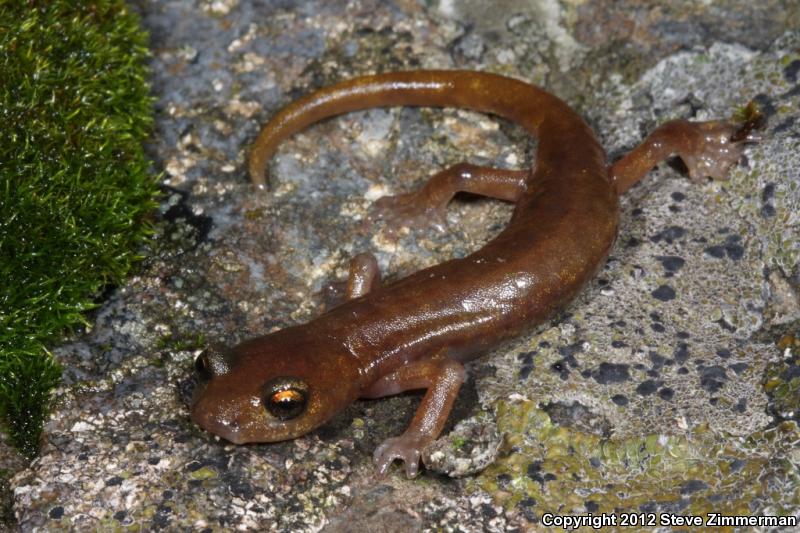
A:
(427, 206)
(708, 149)
(442, 377)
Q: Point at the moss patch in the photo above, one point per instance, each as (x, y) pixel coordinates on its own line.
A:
(545, 468)
(74, 182)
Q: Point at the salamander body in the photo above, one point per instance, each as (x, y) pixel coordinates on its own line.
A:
(416, 333)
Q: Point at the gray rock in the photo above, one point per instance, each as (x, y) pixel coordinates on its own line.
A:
(650, 348)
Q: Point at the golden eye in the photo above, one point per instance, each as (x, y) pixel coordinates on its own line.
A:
(285, 397)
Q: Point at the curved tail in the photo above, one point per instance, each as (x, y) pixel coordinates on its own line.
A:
(515, 100)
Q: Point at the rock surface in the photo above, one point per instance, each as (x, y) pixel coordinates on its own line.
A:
(653, 392)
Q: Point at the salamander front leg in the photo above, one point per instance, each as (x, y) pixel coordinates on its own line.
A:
(428, 205)
(442, 377)
(364, 275)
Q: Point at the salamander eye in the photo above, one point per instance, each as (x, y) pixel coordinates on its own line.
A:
(213, 361)
(285, 397)
(202, 366)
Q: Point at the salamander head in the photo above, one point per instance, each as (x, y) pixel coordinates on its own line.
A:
(272, 388)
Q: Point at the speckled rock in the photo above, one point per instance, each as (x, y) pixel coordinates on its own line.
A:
(674, 371)
(684, 292)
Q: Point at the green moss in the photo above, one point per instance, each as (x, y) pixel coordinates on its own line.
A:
(74, 182)
(549, 468)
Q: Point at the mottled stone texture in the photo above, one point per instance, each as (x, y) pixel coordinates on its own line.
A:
(654, 379)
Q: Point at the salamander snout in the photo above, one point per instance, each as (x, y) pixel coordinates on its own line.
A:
(220, 418)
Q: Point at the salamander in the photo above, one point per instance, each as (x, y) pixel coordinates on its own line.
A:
(417, 332)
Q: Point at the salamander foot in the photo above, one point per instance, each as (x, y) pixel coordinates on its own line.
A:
(408, 210)
(407, 448)
(716, 149)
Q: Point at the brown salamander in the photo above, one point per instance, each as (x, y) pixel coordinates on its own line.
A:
(416, 333)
